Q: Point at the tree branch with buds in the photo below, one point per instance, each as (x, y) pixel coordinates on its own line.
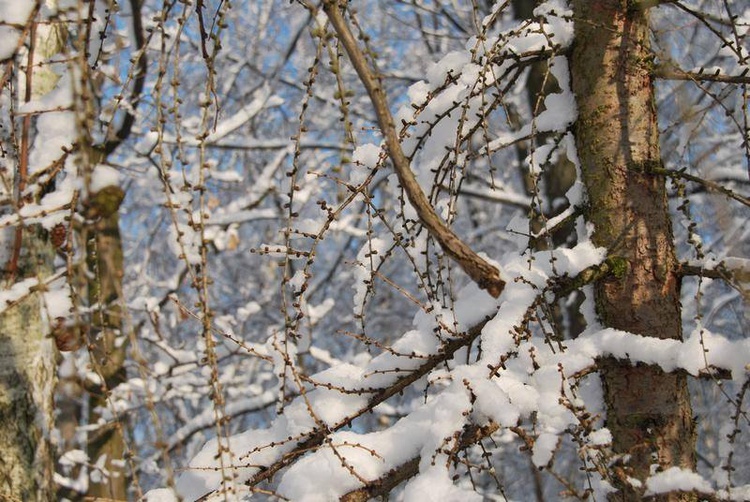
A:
(482, 272)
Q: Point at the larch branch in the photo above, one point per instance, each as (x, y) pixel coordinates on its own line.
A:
(483, 273)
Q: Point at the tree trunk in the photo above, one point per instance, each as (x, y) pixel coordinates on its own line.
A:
(27, 351)
(108, 349)
(27, 376)
(648, 410)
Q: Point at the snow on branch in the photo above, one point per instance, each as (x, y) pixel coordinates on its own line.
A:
(483, 273)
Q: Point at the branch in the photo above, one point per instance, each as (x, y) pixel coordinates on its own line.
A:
(311, 440)
(483, 273)
(139, 82)
(709, 185)
(729, 269)
(670, 73)
(501, 196)
(318, 436)
(385, 484)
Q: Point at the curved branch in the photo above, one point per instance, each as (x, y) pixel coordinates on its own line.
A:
(139, 81)
(483, 273)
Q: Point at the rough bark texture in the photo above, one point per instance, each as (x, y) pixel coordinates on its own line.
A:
(27, 378)
(648, 411)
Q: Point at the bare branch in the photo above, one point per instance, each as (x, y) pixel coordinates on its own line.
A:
(483, 273)
(138, 74)
(672, 73)
(709, 185)
(730, 269)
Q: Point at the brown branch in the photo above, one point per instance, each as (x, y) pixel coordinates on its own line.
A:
(670, 73)
(709, 185)
(491, 196)
(483, 273)
(139, 81)
(385, 484)
(23, 161)
(445, 354)
(722, 271)
(317, 436)
(204, 35)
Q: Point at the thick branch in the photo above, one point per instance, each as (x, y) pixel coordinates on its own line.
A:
(445, 354)
(483, 273)
(385, 484)
(316, 437)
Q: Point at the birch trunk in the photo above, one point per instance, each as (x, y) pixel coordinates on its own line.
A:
(27, 352)
(27, 378)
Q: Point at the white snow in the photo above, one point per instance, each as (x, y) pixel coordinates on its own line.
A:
(17, 291)
(74, 457)
(103, 176)
(364, 159)
(12, 12)
(57, 300)
(600, 437)
(676, 478)
(161, 495)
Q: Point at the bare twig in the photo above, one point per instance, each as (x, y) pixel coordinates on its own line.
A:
(139, 81)
(708, 184)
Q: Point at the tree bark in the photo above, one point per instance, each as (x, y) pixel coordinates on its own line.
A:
(648, 410)
(108, 349)
(27, 351)
(27, 377)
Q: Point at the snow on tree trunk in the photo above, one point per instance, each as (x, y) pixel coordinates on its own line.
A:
(648, 410)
